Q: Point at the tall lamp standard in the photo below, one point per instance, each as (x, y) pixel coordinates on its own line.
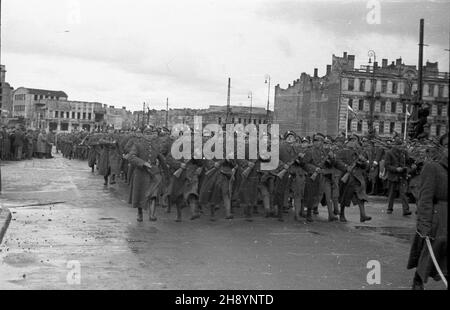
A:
(268, 80)
(372, 99)
(250, 96)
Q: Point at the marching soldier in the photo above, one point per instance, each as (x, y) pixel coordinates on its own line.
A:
(353, 186)
(330, 188)
(314, 159)
(292, 178)
(148, 158)
(397, 163)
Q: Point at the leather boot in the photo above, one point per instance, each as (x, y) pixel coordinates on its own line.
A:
(363, 216)
(140, 217)
(342, 215)
(309, 216)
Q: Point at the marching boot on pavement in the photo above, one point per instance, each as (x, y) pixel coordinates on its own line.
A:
(362, 212)
(342, 215)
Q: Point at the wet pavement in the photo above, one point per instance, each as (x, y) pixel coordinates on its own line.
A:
(70, 232)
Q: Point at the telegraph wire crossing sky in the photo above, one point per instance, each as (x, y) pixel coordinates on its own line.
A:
(124, 53)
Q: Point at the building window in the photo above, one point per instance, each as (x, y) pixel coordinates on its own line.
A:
(441, 91)
(391, 127)
(393, 107)
(36, 98)
(431, 90)
(351, 84)
(232, 120)
(78, 115)
(84, 115)
(439, 109)
(362, 85)
(403, 128)
(438, 130)
(350, 103)
(381, 127)
(349, 125)
(394, 87)
(19, 97)
(259, 122)
(73, 115)
(361, 105)
(384, 87)
(404, 108)
(383, 106)
(220, 120)
(359, 126)
(67, 114)
(239, 120)
(56, 114)
(64, 126)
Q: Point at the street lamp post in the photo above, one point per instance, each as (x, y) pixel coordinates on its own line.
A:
(372, 99)
(250, 96)
(268, 80)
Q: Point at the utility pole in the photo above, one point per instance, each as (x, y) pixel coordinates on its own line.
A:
(268, 80)
(228, 101)
(167, 113)
(143, 116)
(419, 113)
(418, 99)
(372, 99)
(1, 70)
(448, 75)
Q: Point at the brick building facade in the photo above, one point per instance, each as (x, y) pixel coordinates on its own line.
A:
(319, 104)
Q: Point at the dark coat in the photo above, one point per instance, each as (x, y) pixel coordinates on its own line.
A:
(432, 208)
(355, 188)
(187, 185)
(147, 183)
(395, 158)
(19, 138)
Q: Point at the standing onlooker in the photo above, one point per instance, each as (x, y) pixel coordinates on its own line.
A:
(41, 143)
(19, 138)
(29, 143)
(49, 144)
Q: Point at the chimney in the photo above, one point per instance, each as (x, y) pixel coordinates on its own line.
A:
(316, 72)
(345, 54)
(384, 63)
(351, 61)
(328, 69)
(398, 62)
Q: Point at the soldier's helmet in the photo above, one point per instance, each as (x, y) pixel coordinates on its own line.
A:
(289, 133)
(319, 137)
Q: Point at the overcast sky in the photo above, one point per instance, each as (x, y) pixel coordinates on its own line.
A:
(123, 53)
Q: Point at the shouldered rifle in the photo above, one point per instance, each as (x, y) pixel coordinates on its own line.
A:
(346, 176)
(286, 168)
(248, 170)
(329, 158)
(180, 170)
